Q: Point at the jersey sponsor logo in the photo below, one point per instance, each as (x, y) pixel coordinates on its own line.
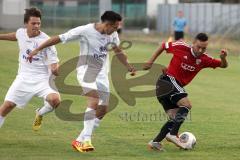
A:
(103, 49)
(188, 67)
(97, 56)
(28, 51)
(103, 53)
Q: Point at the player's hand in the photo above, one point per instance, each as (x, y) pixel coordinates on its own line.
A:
(30, 56)
(223, 53)
(147, 66)
(55, 69)
(132, 71)
(164, 70)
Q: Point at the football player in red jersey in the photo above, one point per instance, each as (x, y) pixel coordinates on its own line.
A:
(186, 62)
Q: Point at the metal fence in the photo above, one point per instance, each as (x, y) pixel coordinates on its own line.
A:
(66, 14)
(215, 18)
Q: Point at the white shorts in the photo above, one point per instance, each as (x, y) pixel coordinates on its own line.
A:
(22, 91)
(100, 83)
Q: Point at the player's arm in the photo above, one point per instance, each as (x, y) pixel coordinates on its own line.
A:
(123, 59)
(149, 63)
(50, 42)
(223, 56)
(8, 36)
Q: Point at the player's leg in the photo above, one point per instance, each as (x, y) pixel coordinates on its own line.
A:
(5, 108)
(51, 101)
(175, 35)
(176, 98)
(83, 141)
(184, 107)
(182, 36)
(87, 79)
(155, 144)
(100, 113)
(163, 89)
(170, 103)
(18, 95)
(166, 128)
(104, 94)
(100, 102)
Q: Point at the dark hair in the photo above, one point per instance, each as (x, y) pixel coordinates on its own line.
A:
(201, 37)
(111, 16)
(31, 12)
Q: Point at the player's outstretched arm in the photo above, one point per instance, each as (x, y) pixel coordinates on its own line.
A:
(149, 63)
(123, 59)
(223, 56)
(8, 36)
(50, 42)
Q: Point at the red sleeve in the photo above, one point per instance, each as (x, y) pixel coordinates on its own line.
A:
(211, 62)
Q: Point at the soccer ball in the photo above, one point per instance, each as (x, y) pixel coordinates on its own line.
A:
(189, 139)
(146, 30)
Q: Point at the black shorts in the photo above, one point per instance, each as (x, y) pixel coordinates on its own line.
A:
(169, 91)
(178, 35)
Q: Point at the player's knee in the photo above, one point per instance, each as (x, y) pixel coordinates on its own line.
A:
(185, 102)
(189, 106)
(101, 111)
(54, 102)
(6, 107)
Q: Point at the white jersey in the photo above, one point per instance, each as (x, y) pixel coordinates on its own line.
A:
(93, 48)
(38, 69)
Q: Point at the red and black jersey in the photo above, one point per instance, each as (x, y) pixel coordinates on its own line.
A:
(184, 64)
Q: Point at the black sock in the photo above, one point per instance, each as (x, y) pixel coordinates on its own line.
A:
(181, 115)
(164, 131)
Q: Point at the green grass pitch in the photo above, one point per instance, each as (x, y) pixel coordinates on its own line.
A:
(122, 134)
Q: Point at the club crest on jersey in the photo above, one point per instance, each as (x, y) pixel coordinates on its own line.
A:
(198, 61)
(185, 57)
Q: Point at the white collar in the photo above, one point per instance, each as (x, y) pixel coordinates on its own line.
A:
(193, 53)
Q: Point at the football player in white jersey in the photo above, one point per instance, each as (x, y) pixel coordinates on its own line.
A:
(32, 78)
(92, 71)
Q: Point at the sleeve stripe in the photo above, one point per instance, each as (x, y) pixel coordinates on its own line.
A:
(166, 45)
(180, 43)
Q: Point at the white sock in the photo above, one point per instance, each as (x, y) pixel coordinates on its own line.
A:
(89, 121)
(1, 120)
(45, 109)
(96, 123)
(80, 138)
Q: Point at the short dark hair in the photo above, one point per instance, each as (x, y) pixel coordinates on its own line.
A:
(111, 16)
(31, 12)
(201, 37)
